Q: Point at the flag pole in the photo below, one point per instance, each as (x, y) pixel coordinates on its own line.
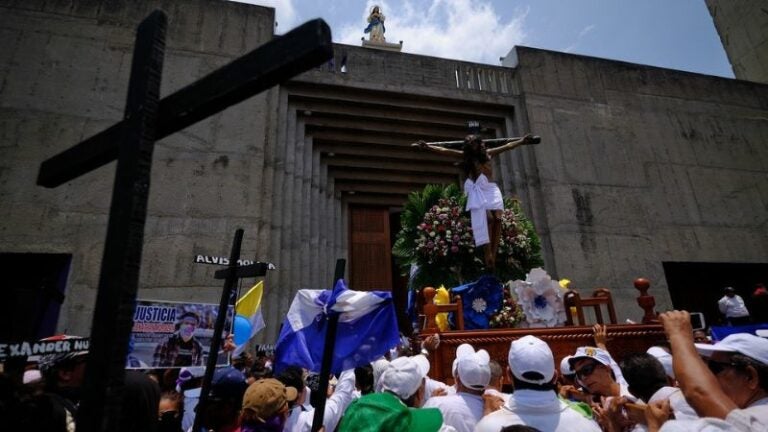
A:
(330, 345)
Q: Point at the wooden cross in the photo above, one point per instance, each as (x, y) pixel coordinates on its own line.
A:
(131, 141)
(230, 275)
(489, 143)
(330, 347)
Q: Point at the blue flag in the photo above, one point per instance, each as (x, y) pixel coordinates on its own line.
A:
(367, 328)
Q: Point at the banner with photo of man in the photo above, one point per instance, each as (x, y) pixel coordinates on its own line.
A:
(173, 334)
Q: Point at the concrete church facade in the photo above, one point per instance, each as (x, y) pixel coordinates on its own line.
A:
(639, 167)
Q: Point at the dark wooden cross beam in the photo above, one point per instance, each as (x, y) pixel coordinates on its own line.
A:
(275, 62)
(256, 269)
(131, 142)
(489, 143)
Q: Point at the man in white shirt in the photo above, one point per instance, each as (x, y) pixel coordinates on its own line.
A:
(463, 409)
(535, 402)
(733, 307)
(497, 382)
(648, 382)
(740, 364)
(729, 391)
(396, 407)
(302, 415)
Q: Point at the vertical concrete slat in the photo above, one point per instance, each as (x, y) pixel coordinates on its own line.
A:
(287, 275)
(306, 248)
(315, 215)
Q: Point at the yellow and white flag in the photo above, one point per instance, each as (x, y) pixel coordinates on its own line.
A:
(249, 307)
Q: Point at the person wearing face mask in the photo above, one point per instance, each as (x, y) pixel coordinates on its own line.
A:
(181, 348)
(170, 412)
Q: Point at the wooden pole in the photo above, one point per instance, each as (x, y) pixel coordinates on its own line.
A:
(330, 346)
(218, 329)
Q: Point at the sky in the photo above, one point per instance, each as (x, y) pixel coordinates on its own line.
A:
(675, 34)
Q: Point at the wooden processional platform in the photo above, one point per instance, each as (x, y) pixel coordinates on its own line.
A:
(622, 339)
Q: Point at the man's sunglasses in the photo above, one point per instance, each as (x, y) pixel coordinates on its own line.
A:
(586, 370)
(717, 367)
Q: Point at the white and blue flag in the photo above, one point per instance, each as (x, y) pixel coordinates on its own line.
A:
(367, 328)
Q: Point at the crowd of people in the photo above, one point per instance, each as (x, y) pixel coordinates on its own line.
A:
(682, 386)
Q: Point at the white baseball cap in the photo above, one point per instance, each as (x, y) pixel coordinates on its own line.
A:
(473, 368)
(531, 354)
(379, 366)
(664, 357)
(32, 376)
(403, 377)
(746, 344)
(565, 367)
(594, 353)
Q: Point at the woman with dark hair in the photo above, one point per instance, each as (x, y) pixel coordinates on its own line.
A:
(484, 200)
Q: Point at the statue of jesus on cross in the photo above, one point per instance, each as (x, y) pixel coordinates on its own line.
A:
(484, 200)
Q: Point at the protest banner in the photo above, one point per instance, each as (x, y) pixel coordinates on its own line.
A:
(32, 350)
(173, 334)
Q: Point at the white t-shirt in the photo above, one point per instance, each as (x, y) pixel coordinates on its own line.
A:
(494, 392)
(461, 410)
(759, 410)
(733, 307)
(300, 419)
(191, 397)
(431, 385)
(737, 420)
(539, 409)
(680, 407)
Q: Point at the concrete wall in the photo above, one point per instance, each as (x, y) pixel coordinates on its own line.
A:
(743, 29)
(637, 166)
(64, 73)
(64, 70)
(641, 165)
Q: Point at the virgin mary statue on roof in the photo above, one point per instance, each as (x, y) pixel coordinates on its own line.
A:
(375, 27)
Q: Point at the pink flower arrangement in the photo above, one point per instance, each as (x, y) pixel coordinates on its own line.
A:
(445, 234)
(513, 236)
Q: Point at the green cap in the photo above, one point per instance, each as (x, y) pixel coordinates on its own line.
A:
(380, 412)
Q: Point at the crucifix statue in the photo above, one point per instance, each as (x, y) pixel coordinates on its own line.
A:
(484, 200)
(131, 141)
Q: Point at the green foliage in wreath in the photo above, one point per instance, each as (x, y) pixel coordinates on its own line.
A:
(436, 235)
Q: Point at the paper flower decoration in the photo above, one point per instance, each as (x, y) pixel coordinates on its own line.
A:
(481, 300)
(541, 299)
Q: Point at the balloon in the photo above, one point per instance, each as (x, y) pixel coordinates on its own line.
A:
(242, 330)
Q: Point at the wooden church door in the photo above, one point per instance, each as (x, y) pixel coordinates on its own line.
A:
(370, 253)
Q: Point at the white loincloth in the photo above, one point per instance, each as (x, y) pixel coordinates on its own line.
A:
(482, 195)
